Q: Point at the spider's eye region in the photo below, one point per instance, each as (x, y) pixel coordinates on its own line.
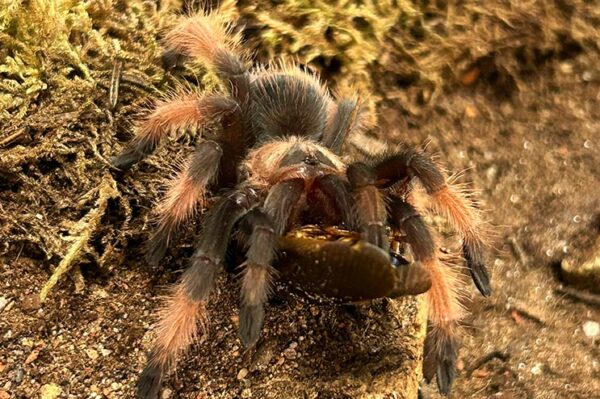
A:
(311, 160)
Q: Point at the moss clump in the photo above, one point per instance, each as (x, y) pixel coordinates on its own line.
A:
(340, 38)
(72, 75)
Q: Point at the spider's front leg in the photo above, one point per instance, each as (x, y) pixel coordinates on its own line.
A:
(262, 227)
(183, 313)
(182, 112)
(185, 194)
(409, 163)
(445, 310)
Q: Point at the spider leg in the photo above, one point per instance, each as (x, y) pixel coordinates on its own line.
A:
(179, 319)
(209, 39)
(446, 200)
(445, 310)
(342, 121)
(183, 197)
(264, 226)
(370, 204)
(182, 112)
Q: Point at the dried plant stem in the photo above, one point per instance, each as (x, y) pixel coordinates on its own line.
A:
(86, 226)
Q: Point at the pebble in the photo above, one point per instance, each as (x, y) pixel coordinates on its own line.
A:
(566, 68)
(4, 394)
(31, 302)
(536, 369)
(18, 376)
(246, 393)
(166, 394)
(105, 352)
(591, 329)
(92, 354)
(587, 76)
(242, 374)
(50, 391)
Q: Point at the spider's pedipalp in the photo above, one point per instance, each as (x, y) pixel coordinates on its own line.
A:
(463, 216)
(370, 204)
(185, 194)
(445, 310)
(263, 226)
(181, 112)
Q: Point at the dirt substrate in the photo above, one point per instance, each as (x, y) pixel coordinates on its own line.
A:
(523, 124)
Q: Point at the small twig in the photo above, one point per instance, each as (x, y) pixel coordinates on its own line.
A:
(115, 80)
(87, 226)
(12, 137)
(490, 356)
(581, 296)
(518, 251)
(523, 310)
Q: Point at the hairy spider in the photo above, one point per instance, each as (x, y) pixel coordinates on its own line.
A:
(276, 164)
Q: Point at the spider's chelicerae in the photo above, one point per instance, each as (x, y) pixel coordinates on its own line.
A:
(276, 164)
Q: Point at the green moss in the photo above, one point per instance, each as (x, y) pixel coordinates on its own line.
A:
(340, 38)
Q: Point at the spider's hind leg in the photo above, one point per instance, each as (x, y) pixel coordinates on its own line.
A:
(346, 117)
(209, 39)
(445, 310)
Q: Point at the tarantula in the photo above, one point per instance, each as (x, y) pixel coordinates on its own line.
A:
(274, 164)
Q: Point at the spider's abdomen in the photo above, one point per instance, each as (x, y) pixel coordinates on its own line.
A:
(285, 105)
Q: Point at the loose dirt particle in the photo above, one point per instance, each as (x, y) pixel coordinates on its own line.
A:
(242, 374)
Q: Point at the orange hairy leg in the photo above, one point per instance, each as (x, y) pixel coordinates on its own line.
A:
(183, 197)
(445, 310)
(182, 112)
(409, 163)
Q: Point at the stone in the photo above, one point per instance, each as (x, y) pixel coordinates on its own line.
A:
(591, 329)
(50, 391)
